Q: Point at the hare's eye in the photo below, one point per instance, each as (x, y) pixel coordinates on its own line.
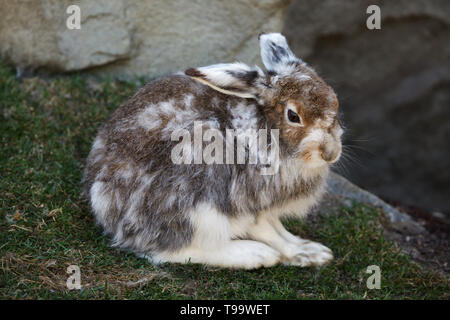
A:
(293, 117)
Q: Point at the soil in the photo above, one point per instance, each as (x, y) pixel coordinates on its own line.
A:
(430, 247)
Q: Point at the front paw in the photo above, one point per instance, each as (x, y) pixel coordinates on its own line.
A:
(308, 253)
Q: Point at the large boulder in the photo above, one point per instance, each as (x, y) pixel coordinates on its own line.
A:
(394, 88)
(131, 38)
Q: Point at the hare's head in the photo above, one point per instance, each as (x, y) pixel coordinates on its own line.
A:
(294, 99)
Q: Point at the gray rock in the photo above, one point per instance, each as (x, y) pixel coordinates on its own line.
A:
(342, 193)
(394, 89)
(129, 38)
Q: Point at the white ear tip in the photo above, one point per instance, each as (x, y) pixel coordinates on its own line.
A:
(277, 38)
(276, 54)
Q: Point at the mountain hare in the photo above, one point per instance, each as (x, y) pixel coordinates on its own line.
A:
(221, 213)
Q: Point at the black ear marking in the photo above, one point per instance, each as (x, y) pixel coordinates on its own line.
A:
(247, 77)
(277, 52)
(229, 78)
(192, 72)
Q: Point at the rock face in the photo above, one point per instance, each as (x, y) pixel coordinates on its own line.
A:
(341, 192)
(130, 38)
(394, 89)
(425, 240)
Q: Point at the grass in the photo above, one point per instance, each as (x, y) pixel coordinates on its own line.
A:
(46, 131)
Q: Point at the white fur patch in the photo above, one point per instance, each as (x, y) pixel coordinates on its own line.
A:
(244, 116)
(295, 251)
(100, 200)
(188, 100)
(96, 147)
(149, 118)
(316, 135)
(98, 144)
(220, 76)
(303, 77)
(125, 172)
(329, 118)
(205, 218)
(135, 201)
(213, 242)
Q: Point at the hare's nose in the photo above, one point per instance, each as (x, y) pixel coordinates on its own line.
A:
(330, 155)
(327, 156)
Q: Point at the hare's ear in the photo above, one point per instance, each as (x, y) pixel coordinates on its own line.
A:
(276, 54)
(236, 79)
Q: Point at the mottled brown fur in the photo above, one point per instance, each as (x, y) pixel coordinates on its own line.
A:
(143, 199)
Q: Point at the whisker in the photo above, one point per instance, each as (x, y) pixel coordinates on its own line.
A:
(353, 160)
(351, 147)
(341, 168)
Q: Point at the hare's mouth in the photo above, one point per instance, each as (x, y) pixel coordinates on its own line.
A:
(319, 157)
(330, 156)
(312, 158)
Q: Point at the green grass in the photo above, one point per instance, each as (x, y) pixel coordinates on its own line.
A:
(46, 131)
